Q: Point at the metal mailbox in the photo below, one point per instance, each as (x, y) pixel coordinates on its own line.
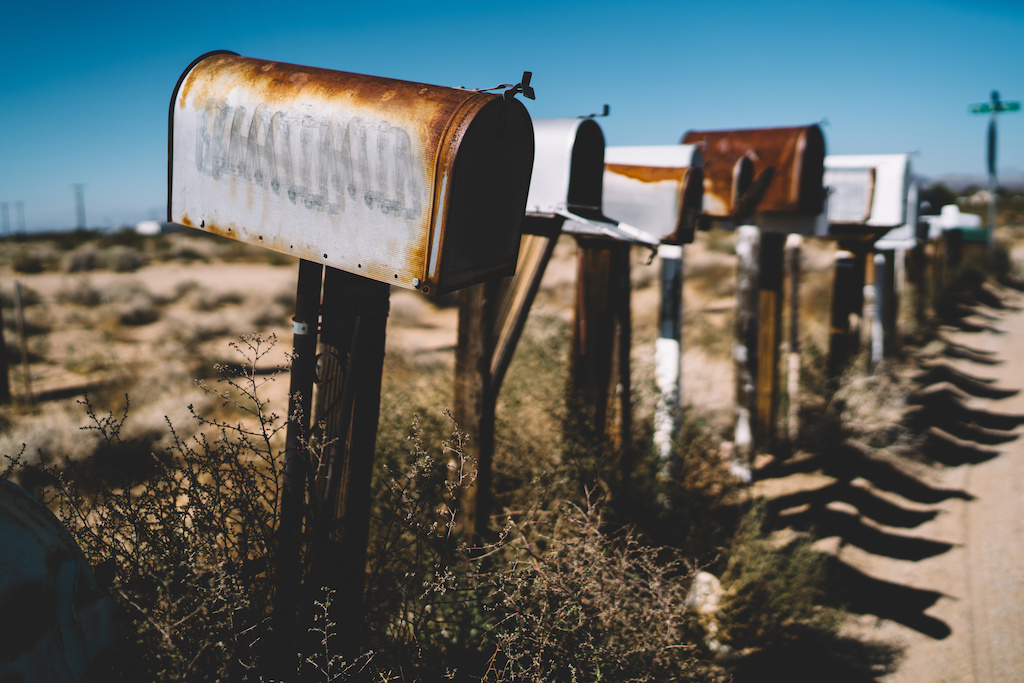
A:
(567, 184)
(659, 189)
(783, 180)
(417, 185)
(868, 196)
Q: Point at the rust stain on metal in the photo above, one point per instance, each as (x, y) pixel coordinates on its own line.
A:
(648, 174)
(796, 153)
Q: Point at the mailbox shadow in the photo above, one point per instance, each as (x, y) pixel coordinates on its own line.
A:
(981, 356)
(944, 449)
(944, 404)
(847, 462)
(867, 503)
(863, 594)
(827, 522)
(980, 387)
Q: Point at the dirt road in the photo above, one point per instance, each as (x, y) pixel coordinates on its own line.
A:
(929, 540)
(974, 630)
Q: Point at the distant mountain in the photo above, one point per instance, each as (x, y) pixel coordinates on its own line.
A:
(1010, 178)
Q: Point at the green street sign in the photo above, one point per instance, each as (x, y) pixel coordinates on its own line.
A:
(987, 108)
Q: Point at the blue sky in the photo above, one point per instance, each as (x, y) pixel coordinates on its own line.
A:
(85, 90)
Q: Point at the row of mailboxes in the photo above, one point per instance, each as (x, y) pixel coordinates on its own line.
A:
(428, 187)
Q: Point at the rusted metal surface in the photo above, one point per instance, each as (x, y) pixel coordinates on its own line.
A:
(792, 156)
(417, 185)
(567, 185)
(54, 620)
(659, 189)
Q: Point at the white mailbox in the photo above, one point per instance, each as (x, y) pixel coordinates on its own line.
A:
(658, 189)
(417, 185)
(869, 195)
(568, 179)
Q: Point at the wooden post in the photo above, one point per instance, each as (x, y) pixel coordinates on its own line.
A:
(19, 317)
(491, 320)
(476, 399)
(599, 383)
(668, 352)
(794, 246)
(748, 247)
(769, 284)
(5, 381)
(354, 318)
(847, 298)
(289, 555)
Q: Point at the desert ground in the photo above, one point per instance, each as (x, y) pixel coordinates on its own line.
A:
(924, 526)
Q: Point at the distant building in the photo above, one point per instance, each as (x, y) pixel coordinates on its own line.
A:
(979, 198)
(155, 227)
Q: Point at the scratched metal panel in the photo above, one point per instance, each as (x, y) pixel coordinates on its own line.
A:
(647, 187)
(347, 170)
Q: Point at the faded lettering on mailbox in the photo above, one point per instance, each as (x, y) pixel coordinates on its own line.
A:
(319, 162)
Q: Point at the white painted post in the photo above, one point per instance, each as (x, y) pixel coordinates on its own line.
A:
(668, 353)
(748, 247)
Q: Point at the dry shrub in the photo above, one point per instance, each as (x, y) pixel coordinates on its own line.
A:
(872, 406)
(773, 596)
(580, 604)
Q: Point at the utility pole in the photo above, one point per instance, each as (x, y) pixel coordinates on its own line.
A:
(20, 208)
(992, 108)
(5, 219)
(80, 204)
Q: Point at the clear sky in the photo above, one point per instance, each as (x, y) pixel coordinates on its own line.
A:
(86, 86)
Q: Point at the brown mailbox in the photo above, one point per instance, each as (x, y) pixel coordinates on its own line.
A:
(419, 186)
(777, 171)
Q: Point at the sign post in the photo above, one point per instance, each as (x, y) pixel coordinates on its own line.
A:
(992, 107)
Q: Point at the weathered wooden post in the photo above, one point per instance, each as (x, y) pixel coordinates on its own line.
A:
(5, 381)
(794, 248)
(745, 356)
(659, 189)
(382, 182)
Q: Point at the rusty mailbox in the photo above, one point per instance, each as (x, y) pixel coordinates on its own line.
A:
(568, 182)
(659, 189)
(869, 195)
(775, 171)
(419, 186)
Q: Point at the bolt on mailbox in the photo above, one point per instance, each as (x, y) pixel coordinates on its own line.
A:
(781, 177)
(568, 182)
(659, 189)
(420, 186)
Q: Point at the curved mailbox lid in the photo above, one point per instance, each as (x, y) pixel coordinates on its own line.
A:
(416, 185)
(568, 178)
(659, 189)
(795, 156)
